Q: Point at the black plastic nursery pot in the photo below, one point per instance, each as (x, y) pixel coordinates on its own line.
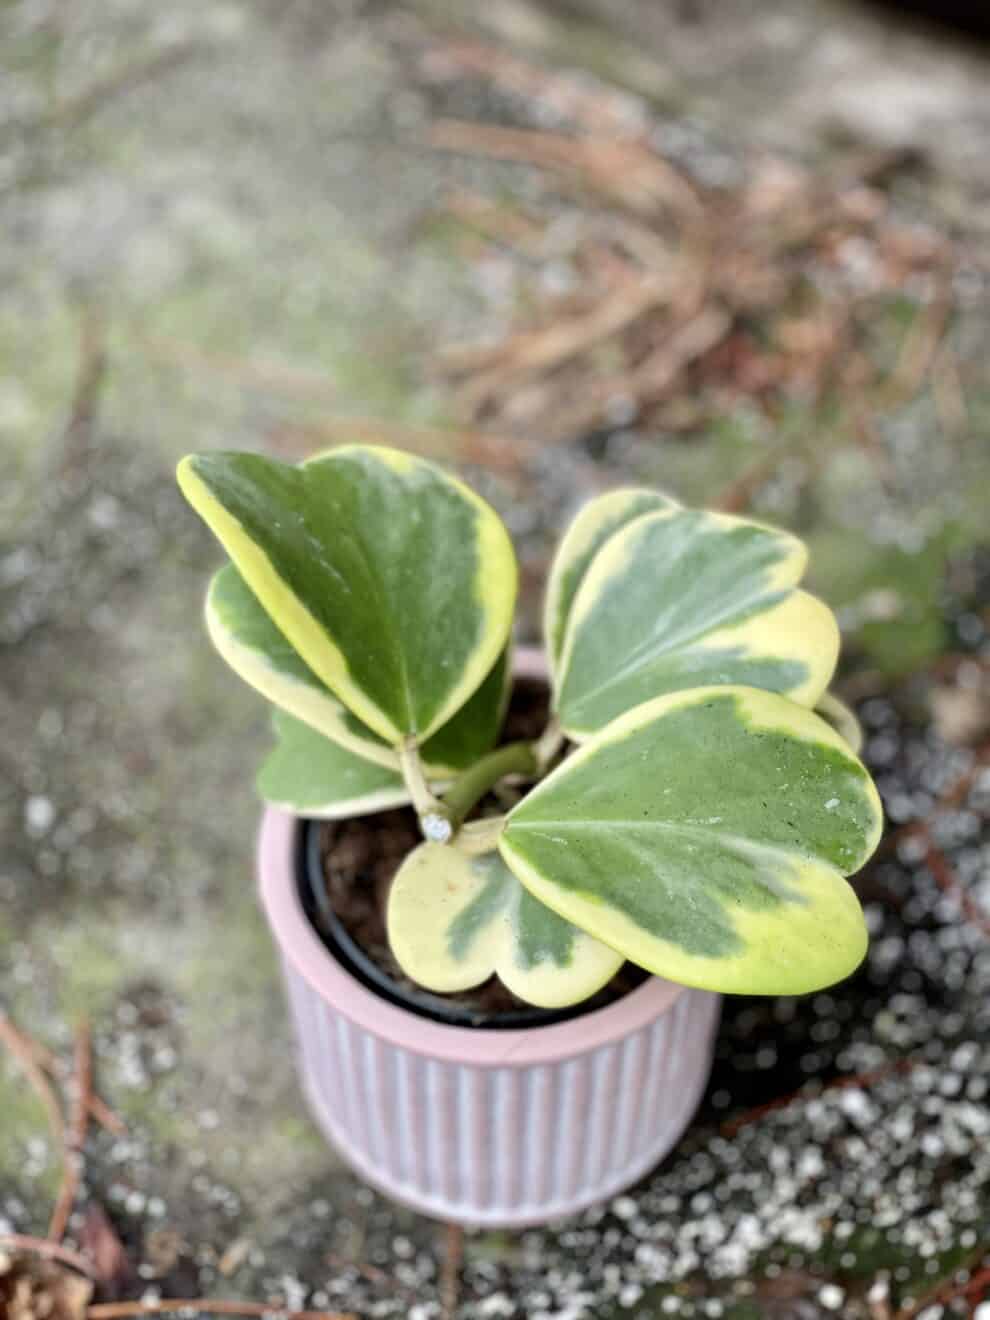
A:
(342, 946)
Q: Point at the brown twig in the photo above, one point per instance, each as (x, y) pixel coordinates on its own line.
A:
(102, 1113)
(649, 382)
(948, 393)
(595, 107)
(869, 438)
(524, 146)
(450, 1278)
(50, 1251)
(90, 375)
(245, 373)
(494, 220)
(99, 1241)
(977, 1289)
(945, 878)
(862, 1080)
(219, 1306)
(533, 352)
(737, 496)
(380, 1278)
(75, 1146)
(99, 1110)
(626, 172)
(656, 374)
(69, 113)
(73, 110)
(19, 1047)
(921, 344)
(946, 1290)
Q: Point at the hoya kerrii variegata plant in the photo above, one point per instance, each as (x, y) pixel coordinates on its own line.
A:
(687, 808)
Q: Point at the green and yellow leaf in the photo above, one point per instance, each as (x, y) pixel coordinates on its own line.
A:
(680, 599)
(705, 835)
(311, 775)
(454, 921)
(255, 649)
(595, 524)
(473, 729)
(842, 718)
(390, 579)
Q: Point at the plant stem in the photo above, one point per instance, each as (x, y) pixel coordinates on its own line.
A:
(549, 743)
(518, 758)
(412, 772)
(479, 836)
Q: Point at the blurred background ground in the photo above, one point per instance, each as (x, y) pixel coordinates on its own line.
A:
(738, 250)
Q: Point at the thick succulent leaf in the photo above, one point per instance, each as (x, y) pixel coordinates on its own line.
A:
(599, 520)
(682, 598)
(311, 775)
(705, 836)
(454, 921)
(473, 729)
(255, 649)
(393, 581)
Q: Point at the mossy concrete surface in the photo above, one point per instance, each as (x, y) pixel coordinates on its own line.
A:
(217, 225)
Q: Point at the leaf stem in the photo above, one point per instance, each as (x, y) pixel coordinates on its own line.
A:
(548, 745)
(518, 758)
(412, 772)
(434, 819)
(479, 836)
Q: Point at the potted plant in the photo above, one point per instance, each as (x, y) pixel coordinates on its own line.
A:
(504, 950)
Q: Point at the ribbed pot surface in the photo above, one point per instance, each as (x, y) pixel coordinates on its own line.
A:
(481, 1126)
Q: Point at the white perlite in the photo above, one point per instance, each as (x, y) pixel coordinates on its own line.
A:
(437, 828)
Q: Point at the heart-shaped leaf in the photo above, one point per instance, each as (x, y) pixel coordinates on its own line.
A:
(595, 524)
(255, 649)
(311, 775)
(681, 599)
(393, 581)
(705, 835)
(454, 921)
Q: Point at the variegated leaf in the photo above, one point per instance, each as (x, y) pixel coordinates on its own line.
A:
(682, 598)
(251, 644)
(842, 718)
(473, 729)
(393, 581)
(595, 524)
(454, 921)
(311, 775)
(705, 835)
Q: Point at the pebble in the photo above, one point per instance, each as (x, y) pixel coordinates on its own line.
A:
(39, 815)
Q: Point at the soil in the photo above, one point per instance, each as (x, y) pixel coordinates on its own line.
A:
(361, 856)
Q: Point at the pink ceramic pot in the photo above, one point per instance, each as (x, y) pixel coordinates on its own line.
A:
(481, 1126)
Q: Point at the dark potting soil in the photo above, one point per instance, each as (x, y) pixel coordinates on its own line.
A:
(361, 856)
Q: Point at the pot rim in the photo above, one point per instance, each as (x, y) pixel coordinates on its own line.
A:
(299, 944)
